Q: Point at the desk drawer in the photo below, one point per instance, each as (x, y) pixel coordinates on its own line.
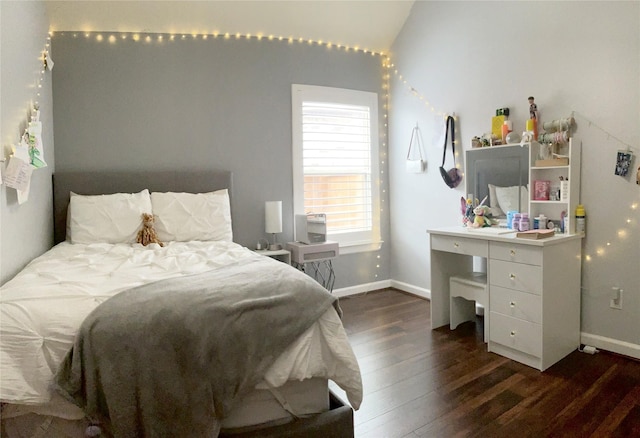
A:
(460, 245)
(515, 333)
(516, 304)
(516, 253)
(518, 276)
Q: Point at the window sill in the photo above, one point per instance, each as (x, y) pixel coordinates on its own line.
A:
(356, 247)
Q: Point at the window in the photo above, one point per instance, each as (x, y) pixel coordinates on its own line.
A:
(335, 162)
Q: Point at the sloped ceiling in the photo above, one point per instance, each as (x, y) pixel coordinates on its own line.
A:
(371, 25)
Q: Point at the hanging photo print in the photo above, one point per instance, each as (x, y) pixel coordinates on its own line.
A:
(623, 162)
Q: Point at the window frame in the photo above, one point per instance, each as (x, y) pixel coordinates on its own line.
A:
(349, 242)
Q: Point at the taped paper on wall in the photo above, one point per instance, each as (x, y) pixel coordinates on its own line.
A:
(34, 140)
(18, 174)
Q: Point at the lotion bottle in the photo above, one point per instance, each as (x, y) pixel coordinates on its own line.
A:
(581, 220)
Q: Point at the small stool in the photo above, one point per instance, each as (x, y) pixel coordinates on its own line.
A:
(465, 290)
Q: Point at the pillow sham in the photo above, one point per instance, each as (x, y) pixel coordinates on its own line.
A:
(494, 205)
(112, 218)
(182, 217)
(508, 198)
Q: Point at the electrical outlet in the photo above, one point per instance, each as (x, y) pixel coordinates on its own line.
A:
(616, 301)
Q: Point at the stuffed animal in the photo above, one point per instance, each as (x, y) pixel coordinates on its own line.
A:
(482, 217)
(147, 233)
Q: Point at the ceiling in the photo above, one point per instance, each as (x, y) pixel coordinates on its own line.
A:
(367, 24)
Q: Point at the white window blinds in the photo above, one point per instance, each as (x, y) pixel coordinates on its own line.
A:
(334, 145)
(336, 156)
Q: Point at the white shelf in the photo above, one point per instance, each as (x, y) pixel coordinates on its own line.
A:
(548, 167)
(553, 209)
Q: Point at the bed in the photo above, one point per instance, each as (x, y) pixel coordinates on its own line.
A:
(94, 293)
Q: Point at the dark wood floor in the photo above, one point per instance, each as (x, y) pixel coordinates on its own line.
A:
(443, 383)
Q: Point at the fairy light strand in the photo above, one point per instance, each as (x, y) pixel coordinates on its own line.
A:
(34, 102)
(601, 250)
(164, 38)
(161, 37)
(389, 70)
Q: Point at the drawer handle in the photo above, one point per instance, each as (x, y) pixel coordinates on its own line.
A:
(456, 244)
(512, 304)
(513, 253)
(512, 276)
(513, 333)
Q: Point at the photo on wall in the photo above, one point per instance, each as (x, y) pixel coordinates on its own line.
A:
(623, 163)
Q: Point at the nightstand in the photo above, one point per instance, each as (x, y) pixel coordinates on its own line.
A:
(280, 254)
(315, 260)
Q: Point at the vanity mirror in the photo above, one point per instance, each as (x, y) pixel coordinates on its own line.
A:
(502, 174)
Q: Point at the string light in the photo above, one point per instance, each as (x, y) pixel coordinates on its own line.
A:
(390, 71)
(386, 64)
(34, 103)
(622, 233)
(150, 37)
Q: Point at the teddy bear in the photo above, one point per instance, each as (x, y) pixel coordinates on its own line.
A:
(147, 233)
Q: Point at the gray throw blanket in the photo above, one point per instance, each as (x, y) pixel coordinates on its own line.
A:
(169, 359)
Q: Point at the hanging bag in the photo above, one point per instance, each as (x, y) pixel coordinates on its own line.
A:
(415, 165)
(453, 176)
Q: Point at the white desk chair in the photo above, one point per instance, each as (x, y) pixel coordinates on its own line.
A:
(465, 290)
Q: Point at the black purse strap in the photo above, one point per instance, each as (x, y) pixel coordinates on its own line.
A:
(451, 122)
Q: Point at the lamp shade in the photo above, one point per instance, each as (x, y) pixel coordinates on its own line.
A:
(273, 216)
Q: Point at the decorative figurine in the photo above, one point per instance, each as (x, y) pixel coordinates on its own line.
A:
(482, 217)
(476, 215)
(533, 109)
(534, 116)
(466, 208)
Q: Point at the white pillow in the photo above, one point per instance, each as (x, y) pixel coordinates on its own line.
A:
(181, 217)
(112, 218)
(494, 205)
(508, 198)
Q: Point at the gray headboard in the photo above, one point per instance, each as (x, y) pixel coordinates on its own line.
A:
(99, 183)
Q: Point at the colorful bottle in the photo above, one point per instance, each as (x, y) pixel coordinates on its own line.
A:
(581, 219)
(524, 222)
(515, 221)
(506, 129)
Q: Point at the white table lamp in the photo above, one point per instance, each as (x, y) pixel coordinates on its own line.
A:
(273, 221)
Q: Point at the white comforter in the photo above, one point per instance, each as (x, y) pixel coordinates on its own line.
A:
(42, 308)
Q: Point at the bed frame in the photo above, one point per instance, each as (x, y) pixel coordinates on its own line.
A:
(338, 421)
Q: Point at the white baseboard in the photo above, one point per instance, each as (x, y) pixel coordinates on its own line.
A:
(361, 288)
(600, 342)
(414, 290)
(609, 344)
(368, 287)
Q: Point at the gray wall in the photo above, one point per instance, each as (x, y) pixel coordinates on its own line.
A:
(202, 104)
(26, 230)
(473, 57)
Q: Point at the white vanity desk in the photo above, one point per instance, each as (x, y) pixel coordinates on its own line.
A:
(533, 288)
